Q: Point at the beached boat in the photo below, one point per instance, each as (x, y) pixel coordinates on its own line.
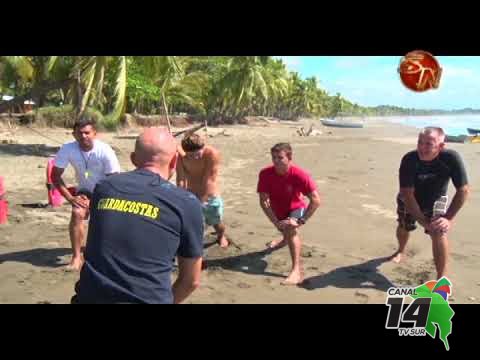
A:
(457, 139)
(341, 123)
(473, 131)
(463, 139)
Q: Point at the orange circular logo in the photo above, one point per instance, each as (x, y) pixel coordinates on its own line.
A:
(420, 71)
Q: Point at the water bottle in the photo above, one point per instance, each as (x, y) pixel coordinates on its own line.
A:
(440, 207)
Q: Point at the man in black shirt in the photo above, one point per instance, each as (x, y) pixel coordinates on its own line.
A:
(139, 223)
(424, 176)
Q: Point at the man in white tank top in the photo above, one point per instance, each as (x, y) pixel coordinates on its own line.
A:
(92, 160)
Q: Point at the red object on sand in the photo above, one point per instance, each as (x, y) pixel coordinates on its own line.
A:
(3, 203)
(2, 187)
(3, 211)
(420, 71)
(55, 198)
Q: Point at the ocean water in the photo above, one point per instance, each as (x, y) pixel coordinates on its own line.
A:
(451, 124)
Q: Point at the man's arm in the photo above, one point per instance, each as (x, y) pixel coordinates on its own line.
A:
(112, 165)
(211, 175)
(189, 270)
(413, 208)
(458, 200)
(59, 184)
(181, 176)
(313, 205)
(444, 223)
(265, 205)
(80, 201)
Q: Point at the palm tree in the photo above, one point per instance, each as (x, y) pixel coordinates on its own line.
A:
(276, 77)
(175, 84)
(32, 78)
(243, 81)
(90, 74)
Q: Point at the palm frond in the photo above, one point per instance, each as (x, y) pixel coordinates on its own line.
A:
(22, 65)
(120, 90)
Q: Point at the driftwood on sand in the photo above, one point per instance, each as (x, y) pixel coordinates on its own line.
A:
(310, 132)
(190, 130)
(175, 133)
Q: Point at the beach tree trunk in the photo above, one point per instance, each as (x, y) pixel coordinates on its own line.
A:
(79, 109)
(166, 112)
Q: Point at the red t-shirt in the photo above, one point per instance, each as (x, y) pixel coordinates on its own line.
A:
(285, 191)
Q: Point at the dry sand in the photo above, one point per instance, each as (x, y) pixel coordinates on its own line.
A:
(345, 243)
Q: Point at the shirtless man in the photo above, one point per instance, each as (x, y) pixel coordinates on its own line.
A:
(197, 171)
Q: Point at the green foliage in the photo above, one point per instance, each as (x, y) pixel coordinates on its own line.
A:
(223, 88)
(64, 116)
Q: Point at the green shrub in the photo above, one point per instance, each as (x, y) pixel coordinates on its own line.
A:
(63, 116)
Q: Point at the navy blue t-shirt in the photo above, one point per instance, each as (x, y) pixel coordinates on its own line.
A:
(138, 223)
(430, 178)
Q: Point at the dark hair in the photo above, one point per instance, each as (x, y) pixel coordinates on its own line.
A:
(282, 147)
(85, 121)
(192, 142)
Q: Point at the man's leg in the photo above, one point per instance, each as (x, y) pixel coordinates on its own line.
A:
(277, 244)
(77, 234)
(402, 236)
(221, 238)
(440, 252)
(214, 215)
(295, 245)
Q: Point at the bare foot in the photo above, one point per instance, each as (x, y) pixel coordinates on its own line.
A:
(398, 257)
(75, 265)
(294, 278)
(277, 244)
(223, 242)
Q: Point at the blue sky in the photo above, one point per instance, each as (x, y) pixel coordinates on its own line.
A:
(374, 80)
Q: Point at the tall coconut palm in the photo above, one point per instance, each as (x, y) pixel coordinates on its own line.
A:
(276, 78)
(174, 82)
(243, 81)
(89, 73)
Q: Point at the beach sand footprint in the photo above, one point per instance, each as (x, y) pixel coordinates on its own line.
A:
(363, 196)
(238, 164)
(51, 217)
(407, 277)
(378, 210)
(361, 297)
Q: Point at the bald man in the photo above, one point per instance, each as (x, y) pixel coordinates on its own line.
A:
(139, 223)
(424, 176)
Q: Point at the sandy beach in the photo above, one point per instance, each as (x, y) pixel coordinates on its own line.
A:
(345, 244)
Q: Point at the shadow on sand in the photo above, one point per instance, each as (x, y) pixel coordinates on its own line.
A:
(28, 149)
(253, 263)
(38, 257)
(361, 276)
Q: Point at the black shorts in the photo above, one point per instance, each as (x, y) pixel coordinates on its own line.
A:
(407, 221)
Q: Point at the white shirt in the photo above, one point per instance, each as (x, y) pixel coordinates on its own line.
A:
(90, 166)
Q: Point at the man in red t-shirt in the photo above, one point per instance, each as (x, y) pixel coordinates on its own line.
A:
(281, 188)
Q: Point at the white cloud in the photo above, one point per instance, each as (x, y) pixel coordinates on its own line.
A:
(457, 71)
(349, 62)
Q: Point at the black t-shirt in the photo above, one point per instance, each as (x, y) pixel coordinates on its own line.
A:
(430, 178)
(138, 223)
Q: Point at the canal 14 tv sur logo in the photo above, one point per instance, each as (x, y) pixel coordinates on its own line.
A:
(427, 314)
(416, 313)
